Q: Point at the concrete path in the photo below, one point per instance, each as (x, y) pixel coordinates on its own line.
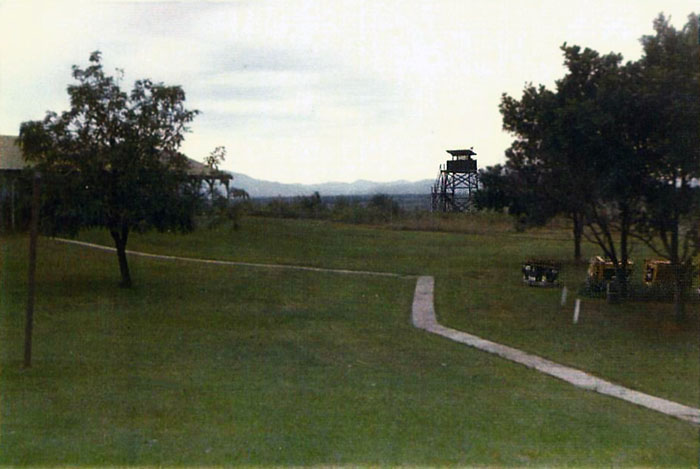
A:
(243, 264)
(424, 318)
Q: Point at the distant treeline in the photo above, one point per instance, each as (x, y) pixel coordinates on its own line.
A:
(350, 209)
(408, 202)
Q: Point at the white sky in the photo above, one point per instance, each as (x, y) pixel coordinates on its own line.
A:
(315, 91)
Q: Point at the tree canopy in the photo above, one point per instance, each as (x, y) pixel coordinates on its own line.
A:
(615, 146)
(670, 222)
(112, 159)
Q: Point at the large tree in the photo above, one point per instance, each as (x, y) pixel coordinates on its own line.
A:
(602, 132)
(578, 151)
(541, 172)
(557, 145)
(620, 145)
(112, 160)
(523, 191)
(671, 219)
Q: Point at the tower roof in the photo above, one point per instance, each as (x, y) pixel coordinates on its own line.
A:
(469, 152)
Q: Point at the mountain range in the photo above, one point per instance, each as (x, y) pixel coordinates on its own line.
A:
(261, 188)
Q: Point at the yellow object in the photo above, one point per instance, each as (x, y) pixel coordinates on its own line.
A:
(657, 272)
(603, 270)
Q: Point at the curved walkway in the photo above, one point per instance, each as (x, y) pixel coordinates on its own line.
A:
(243, 264)
(423, 317)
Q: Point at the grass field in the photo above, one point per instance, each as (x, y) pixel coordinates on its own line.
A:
(213, 365)
(478, 289)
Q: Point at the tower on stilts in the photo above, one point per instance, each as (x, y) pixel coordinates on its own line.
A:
(456, 184)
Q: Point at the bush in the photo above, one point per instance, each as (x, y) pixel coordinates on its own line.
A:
(227, 212)
(380, 208)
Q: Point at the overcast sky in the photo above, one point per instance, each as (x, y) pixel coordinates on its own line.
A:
(315, 91)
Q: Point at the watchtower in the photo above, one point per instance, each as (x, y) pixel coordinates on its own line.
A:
(456, 183)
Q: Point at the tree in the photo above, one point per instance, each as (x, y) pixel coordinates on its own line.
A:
(384, 206)
(616, 146)
(603, 130)
(494, 193)
(583, 148)
(547, 178)
(522, 190)
(112, 160)
(671, 218)
(619, 145)
(212, 161)
(215, 158)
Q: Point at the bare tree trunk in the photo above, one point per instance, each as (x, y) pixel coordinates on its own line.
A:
(120, 243)
(679, 293)
(678, 272)
(622, 278)
(621, 274)
(578, 234)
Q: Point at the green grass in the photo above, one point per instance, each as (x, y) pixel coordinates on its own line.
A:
(634, 344)
(478, 289)
(325, 244)
(213, 365)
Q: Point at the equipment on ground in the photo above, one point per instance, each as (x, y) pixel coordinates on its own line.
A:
(658, 273)
(541, 272)
(602, 271)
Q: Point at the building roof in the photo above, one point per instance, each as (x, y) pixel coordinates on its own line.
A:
(10, 154)
(11, 159)
(461, 152)
(201, 170)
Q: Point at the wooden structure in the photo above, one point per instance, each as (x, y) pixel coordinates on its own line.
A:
(456, 183)
(15, 185)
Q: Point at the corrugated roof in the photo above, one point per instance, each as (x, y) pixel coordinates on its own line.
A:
(10, 154)
(11, 159)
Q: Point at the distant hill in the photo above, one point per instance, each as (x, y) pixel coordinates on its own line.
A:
(261, 188)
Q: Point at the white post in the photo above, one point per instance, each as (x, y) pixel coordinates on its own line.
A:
(563, 296)
(577, 310)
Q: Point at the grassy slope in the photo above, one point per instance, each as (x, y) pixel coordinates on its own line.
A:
(478, 289)
(211, 365)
